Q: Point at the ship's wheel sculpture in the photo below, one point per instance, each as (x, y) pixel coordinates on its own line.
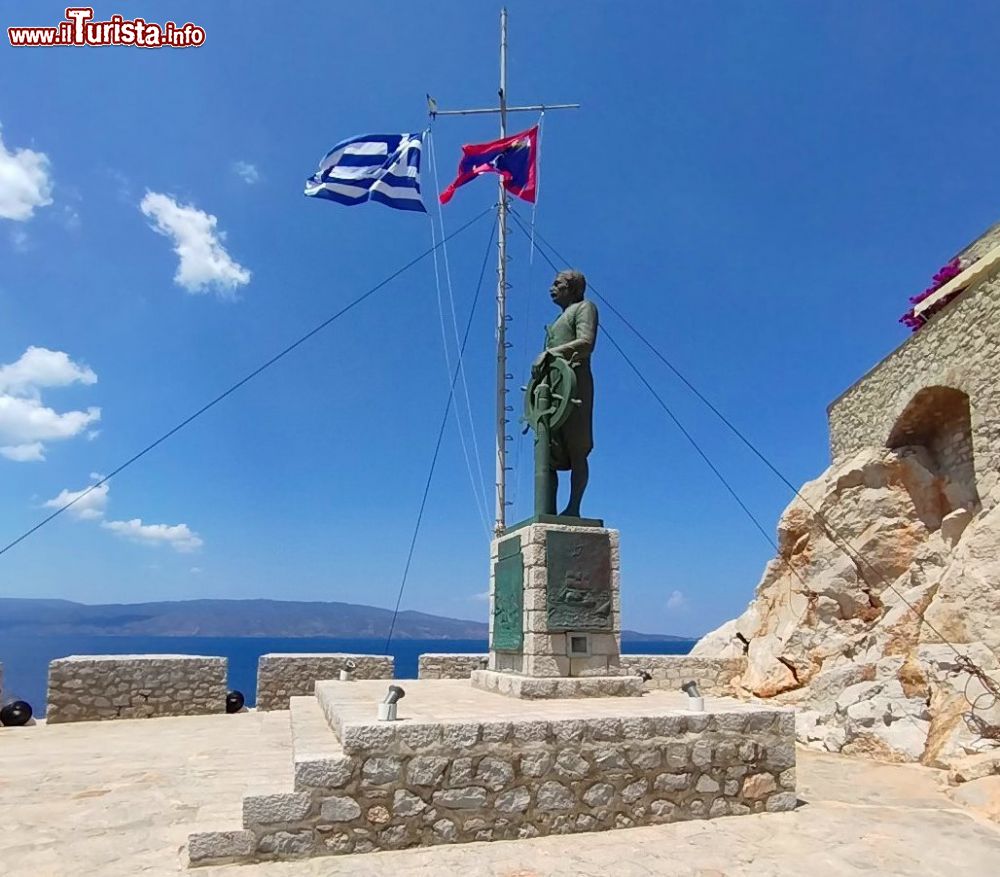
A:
(549, 398)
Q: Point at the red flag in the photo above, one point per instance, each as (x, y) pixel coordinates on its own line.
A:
(515, 158)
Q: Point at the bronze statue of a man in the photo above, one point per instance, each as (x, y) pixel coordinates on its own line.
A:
(571, 337)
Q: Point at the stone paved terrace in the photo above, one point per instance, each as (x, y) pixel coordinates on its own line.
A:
(119, 798)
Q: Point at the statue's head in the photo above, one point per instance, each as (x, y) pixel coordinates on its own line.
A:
(567, 288)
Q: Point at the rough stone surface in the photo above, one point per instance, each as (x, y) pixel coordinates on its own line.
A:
(286, 844)
(282, 676)
(855, 642)
(280, 808)
(87, 688)
(339, 809)
(220, 846)
(889, 562)
(324, 773)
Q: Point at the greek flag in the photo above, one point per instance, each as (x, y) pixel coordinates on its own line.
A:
(373, 167)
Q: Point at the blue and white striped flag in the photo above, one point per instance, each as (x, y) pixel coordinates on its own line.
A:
(375, 167)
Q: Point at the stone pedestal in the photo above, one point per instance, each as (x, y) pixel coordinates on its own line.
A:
(555, 612)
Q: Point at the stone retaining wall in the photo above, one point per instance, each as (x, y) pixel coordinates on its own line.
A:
(431, 783)
(445, 666)
(84, 688)
(959, 348)
(713, 675)
(281, 676)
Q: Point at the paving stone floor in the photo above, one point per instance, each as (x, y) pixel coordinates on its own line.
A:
(119, 798)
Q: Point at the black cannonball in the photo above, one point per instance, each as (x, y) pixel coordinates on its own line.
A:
(235, 701)
(17, 712)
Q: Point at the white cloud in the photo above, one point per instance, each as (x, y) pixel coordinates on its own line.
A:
(91, 507)
(482, 596)
(39, 367)
(204, 262)
(24, 182)
(30, 453)
(246, 171)
(25, 422)
(676, 601)
(180, 537)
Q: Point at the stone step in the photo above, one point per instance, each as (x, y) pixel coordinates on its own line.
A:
(318, 757)
(318, 762)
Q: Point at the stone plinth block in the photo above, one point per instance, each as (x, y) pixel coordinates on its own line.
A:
(85, 688)
(281, 676)
(460, 766)
(555, 609)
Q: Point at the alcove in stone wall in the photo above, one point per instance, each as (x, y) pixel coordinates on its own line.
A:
(939, 418)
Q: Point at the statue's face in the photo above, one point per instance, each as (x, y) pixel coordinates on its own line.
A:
(561, 292)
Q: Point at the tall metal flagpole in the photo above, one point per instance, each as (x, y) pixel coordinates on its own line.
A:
(500, 521)
(502, 418)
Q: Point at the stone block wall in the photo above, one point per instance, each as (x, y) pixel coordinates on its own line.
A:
(418, 784)
(444, 666)
(87, 688)
(959, 348)
(281, 676)
(714, 675)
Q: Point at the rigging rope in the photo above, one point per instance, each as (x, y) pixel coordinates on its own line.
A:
(437, 444)
(240, 383)
(482, 499)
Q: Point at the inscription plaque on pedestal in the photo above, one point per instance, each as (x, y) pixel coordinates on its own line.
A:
(578, 590)
(508, 596)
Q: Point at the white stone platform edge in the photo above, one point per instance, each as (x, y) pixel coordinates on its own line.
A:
(553, 687)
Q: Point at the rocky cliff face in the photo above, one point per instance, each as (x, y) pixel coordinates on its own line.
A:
(854, 638)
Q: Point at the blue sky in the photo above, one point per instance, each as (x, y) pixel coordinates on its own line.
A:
(760, 187)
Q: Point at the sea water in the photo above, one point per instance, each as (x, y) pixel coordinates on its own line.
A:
(26, 659)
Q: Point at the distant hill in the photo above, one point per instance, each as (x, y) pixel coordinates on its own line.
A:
(277, 618)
